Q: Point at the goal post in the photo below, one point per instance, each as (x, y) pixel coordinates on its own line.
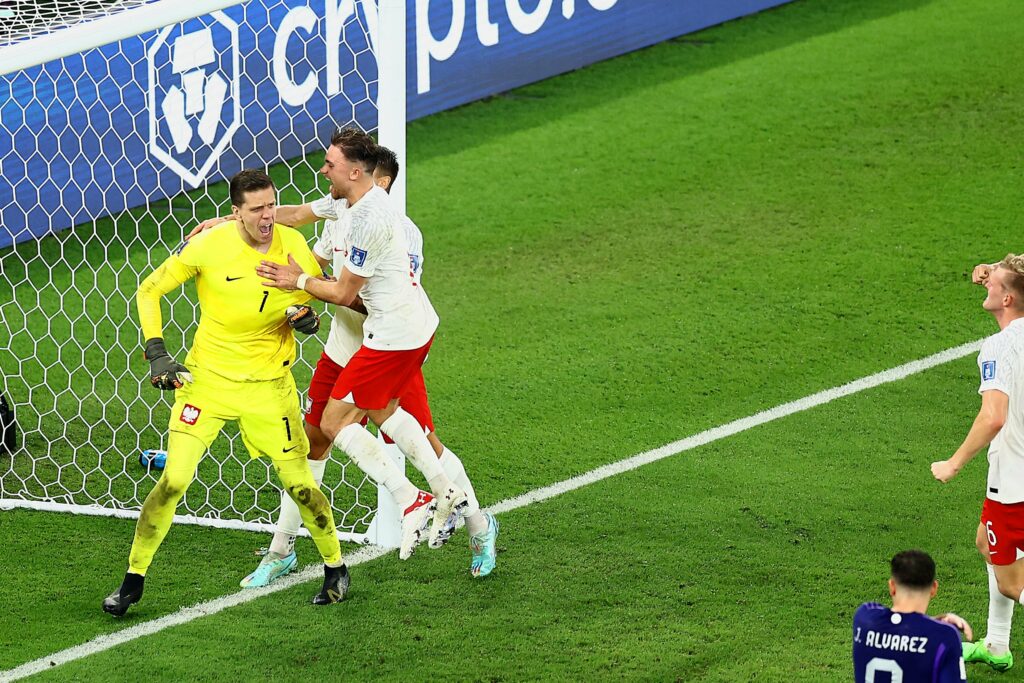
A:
(124, 124)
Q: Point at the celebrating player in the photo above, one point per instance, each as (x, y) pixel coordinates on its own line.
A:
(344, 341)
(904, 642)
(397, 333)
(1000, 426)
(239, 368)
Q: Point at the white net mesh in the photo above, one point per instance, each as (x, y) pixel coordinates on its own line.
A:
(22, 20)
(98, 141)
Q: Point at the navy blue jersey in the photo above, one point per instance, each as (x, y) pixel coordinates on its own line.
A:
(904, 647)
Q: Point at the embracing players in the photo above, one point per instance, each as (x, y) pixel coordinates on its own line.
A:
(375, 274)
(344, 341)
(239, 368)
(346, 338)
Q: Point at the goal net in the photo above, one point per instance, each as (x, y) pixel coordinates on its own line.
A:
(122, 119)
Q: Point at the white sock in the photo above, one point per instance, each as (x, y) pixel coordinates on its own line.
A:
(407, 434)
(1000, 615)
(476, 523)
(290, 519)
(367, 454)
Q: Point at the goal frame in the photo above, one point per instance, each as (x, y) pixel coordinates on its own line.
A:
(385, 526)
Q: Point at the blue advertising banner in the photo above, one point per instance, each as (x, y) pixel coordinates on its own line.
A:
(462, 50)
(154, 115)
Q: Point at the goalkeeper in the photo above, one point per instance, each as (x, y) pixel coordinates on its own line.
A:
(239, 368)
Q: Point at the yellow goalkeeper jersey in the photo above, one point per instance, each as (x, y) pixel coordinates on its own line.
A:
(243, 334)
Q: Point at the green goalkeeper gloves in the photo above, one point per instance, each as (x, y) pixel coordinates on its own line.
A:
(303, 319)
(165, 373)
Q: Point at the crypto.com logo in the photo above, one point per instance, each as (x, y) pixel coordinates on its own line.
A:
(193, 101)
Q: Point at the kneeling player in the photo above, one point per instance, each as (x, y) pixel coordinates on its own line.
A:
(904, 642)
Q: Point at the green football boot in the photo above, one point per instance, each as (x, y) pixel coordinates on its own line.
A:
(977, 652)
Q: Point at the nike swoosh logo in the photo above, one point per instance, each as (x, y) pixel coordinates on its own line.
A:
(285, 450)
(232, 279)
(338, 251)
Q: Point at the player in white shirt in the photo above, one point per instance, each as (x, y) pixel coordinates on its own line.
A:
(344, 341)
(397, 335)
(1000, 426)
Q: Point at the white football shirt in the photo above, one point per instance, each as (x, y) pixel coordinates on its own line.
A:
(375, 241)
(346, 335)
(1001, 363)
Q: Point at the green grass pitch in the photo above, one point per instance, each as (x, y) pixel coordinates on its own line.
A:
(624, 256)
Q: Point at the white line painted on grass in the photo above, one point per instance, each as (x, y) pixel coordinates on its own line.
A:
(737, 426)
(182, 616)
(185, 615)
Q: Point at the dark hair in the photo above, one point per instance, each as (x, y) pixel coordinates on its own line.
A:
(387, 163)
(357, 146)
(913, 569)
(248, 180)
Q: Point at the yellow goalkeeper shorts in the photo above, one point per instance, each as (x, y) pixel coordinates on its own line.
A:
(268, 413)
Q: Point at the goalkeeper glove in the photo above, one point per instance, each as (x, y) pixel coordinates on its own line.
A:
(303, 318)
(165, 373)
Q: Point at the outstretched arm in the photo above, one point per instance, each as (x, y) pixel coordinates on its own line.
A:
(990, 419)
(292, 215)
(296, 215)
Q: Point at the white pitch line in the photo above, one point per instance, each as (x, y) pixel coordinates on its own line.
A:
(737, 426)
(187, 614)
(182, 616)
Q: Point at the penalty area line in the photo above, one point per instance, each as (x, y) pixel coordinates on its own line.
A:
(366, 554)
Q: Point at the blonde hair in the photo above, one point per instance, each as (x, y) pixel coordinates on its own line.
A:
(1013, 264)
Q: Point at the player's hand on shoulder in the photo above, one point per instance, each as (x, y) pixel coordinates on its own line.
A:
(303, 319)
(944, 470)
(981, 273)
(959, 623)
(165, 373)
(206, 225)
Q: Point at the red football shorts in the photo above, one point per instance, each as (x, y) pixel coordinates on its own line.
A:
(413, 398)
(373, 378)
(1004, 526)
(327, 383)
(414, 401)
(324, 376)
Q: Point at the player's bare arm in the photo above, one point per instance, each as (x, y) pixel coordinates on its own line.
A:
(296, 215)
(990, 420)
(209, 223)
(341, 292)
(292, 215)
